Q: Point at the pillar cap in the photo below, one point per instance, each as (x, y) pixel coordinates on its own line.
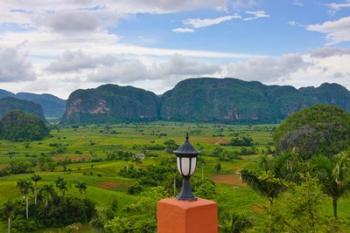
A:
(187, 204)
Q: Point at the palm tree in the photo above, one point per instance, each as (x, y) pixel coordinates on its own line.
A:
(265, 183)
(333, 174)
(36, 178)
(81, 187)
(61, 184)
(9, 211)
(25, 186)
(47, 191)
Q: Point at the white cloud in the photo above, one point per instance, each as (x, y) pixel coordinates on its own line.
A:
(329, 52)
(267, 69)
(72, 22)
(78, 60)
(338, 6)
(336, 31)
(88, 69)
(179, 65)
(128, 70)
(14, 65)
(256, 15)
(124, 71)
(183, 30)
(114, 6)
(200, 23)
(194, 23)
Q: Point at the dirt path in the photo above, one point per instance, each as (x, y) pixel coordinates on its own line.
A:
(234, 180)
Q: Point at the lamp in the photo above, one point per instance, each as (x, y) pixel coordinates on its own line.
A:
(186, 157)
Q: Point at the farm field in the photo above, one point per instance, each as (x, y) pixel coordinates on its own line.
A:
(83, 154)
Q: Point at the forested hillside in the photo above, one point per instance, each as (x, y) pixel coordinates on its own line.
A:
(200, 100)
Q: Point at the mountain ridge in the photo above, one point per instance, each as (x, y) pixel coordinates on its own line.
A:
(206, 99)
(9, 104)
(53, 106)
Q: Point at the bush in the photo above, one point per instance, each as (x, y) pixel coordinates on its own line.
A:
(135, 189)
(241, 141)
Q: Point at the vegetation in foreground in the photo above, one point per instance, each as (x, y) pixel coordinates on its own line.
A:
(119, 172)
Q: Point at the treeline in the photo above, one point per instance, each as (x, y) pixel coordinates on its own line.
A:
(312, 164)
(46, 206)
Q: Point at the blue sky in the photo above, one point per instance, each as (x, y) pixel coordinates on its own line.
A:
(271, 36)
(60, 45)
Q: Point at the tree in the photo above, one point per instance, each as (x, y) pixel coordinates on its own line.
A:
(218, 168)
(81, 187)
(25, 186)
(36, 178)
(264, 183)
(21, 126)
(170, 146)
(333, 174)
(61, 184)
(321, 129)
(47, 191)
(299, 210)
(9, 211)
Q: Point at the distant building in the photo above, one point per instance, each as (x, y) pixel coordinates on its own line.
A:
(140, 156)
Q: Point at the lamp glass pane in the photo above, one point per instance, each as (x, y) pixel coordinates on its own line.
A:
(178, 165)
(193, 165)
(185, 166)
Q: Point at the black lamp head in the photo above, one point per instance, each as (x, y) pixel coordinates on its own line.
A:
(186, 164)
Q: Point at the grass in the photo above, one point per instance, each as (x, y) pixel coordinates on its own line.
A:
(104, 183)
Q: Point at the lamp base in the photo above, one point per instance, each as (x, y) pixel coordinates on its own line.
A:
(186, 191)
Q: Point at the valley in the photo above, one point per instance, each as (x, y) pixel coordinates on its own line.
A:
(84, 154)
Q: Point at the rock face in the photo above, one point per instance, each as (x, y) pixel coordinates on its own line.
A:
(111, 103)
(200, 100)
(9, 104)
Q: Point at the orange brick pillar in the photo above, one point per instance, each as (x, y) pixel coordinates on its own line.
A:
(175, 216)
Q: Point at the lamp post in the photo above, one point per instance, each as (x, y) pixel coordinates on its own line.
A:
(186, 157)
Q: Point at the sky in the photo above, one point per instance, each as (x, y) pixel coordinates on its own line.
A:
(58, 46)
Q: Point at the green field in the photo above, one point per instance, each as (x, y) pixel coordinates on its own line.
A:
(86, 148)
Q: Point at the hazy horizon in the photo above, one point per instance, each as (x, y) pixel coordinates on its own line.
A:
(159, 94)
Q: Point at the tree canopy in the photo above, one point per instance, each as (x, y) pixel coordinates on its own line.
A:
(321, 129)
(21, 126)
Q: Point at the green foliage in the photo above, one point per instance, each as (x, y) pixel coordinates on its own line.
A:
(139, 217)
(321, 129)
(20, 126)
(61, 184)
(298, 210)
(333, 174)
(242, 141)
(235, 223)
(205, 189)
(264, 182)
(170, 146)
(10, 104)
